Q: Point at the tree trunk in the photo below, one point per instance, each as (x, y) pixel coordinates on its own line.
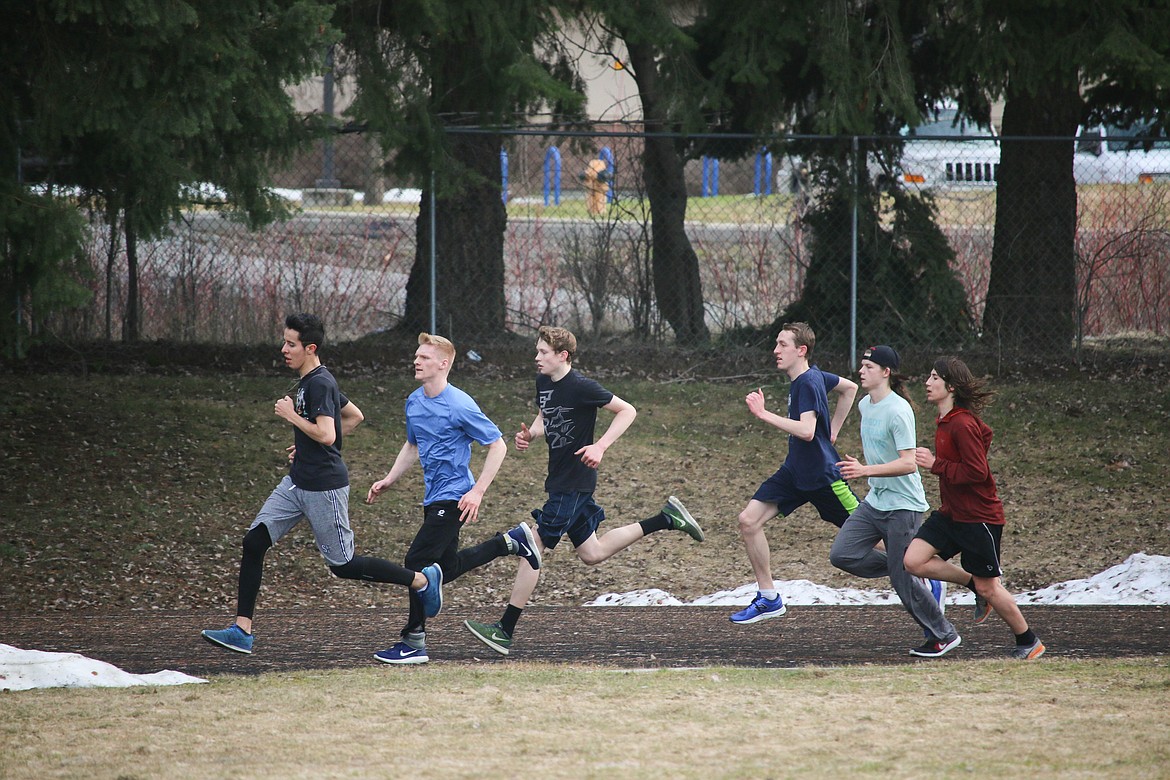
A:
(676, 266)
(1031, 296)
(131, 330)
(469, 248)
(111, 257)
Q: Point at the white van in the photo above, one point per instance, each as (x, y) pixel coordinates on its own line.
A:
(942, 151)
(953, 151)
(1104, 155)
(1111, 155)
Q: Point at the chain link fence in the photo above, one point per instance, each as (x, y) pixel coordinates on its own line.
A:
(578, 246)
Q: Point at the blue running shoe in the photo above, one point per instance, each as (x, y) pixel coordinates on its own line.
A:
(402, 653)
(232, 637)
(760, 609)
(938, 589)
(523, 543)
(938, 592)
(432, 594)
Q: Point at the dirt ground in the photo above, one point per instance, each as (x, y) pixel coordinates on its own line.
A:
(617, 637)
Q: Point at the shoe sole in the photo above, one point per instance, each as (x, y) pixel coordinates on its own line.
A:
(486, 640)
(692, 528)
(219, 643)
(531, 541)
(411, 660)
(762, 616)
(982, 616)
(945, 649)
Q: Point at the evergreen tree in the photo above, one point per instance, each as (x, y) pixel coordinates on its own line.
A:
(136, 102)
(434, 76)
(1054, 65)
(907, 293)
(661, 62)
(843, 68)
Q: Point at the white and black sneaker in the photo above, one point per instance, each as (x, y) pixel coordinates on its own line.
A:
(521, 542)
(936, 648)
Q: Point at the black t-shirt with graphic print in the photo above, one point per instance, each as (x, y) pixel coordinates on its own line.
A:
(318, 467)
(569, 409)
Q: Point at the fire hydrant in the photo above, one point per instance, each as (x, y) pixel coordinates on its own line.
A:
(596, 178)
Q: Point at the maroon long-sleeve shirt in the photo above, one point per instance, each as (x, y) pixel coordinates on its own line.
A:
(965, 484)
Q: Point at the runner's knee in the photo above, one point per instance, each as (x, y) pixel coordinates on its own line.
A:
(750, 522)
(912, 565)
(257, 541)
(840, 559)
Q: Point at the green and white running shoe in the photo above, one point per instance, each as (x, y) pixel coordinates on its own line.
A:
(681, 520)
(494, 636)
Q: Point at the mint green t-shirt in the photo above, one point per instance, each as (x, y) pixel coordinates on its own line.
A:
(886, 428)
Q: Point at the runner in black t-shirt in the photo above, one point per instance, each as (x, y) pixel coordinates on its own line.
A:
(316, 488)
(568, 404)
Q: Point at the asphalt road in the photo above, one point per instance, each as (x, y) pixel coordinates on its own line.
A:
(618, 637)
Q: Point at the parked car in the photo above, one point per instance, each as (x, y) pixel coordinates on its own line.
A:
(952, 151)
(949, 151)
(943, 150)
(1111, 155)
(1104, 155)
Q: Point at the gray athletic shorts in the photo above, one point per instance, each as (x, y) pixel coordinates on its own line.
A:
(326, 510)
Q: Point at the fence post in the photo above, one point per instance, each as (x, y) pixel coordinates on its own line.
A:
(764, 171)
(328, 178)
(853, 260)
(607, 154)
(504, 174)
(434, 270)
(552, 171)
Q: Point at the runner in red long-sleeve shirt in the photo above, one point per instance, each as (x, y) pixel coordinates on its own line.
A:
(970, 519)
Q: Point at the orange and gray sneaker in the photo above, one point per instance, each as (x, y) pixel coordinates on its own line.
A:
(1029, 652)
(982, 609)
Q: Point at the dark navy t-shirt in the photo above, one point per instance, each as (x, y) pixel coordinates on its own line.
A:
(813, 463)
(569, 409)
(316, 466)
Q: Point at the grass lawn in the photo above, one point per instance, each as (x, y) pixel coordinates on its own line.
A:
(978, 719)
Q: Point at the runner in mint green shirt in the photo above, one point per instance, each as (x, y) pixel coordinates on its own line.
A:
(892, 511)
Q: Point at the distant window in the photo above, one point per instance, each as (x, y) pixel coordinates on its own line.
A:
(1124, 140)
(944, 124)
(1089, 142)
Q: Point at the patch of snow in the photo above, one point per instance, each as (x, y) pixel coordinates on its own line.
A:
(1141, 580)
(21, 670)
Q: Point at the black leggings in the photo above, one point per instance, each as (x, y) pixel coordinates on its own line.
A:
(437, 541)
(257, 543)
